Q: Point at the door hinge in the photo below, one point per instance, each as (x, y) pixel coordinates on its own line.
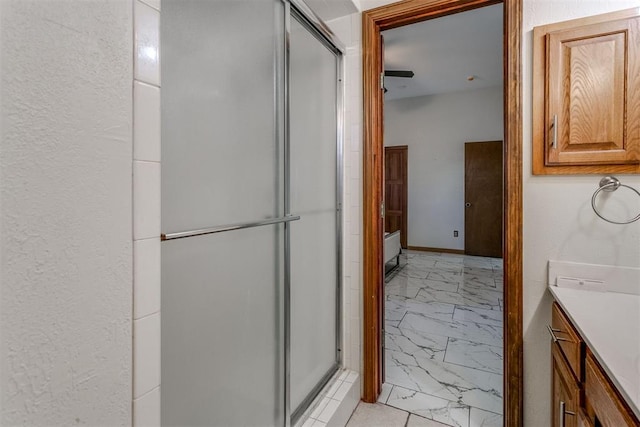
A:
(382, 80)
(382, 210)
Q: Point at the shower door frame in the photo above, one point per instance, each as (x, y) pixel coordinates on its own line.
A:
(296, 9)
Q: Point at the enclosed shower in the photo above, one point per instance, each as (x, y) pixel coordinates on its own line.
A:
(251, 211)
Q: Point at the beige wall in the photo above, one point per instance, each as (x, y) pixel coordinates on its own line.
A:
(435, 128)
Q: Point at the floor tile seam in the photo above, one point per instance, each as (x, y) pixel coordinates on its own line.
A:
(430, 395)
(501, 347)
(479, 305)
(452, 322)
(446, 348)
(428, 317)
(485, 410)
(490, 291)
(426, 303)
(473, 297)
(420, 347)
(501, 375)
(474, 286)
(457, 282)
(478, 271)
(446, 336)
(448, 363)
(501, 322)
(460, 403)
(468, 275)
(453, 273)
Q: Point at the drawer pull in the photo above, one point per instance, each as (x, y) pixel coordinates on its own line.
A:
(564, 412)
(553, 335)
(554, 125)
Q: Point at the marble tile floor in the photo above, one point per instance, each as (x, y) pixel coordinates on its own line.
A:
(379, 415)
(444, 338)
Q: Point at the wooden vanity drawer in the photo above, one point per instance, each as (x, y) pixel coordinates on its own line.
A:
(602, 401)
(583, 419)
(565, 335)
(565, 392)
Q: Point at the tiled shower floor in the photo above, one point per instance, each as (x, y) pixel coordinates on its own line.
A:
(443, 339)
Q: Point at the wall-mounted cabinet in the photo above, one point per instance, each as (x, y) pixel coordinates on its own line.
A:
(586, 105)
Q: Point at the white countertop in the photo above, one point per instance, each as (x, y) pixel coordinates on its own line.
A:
(609, 322)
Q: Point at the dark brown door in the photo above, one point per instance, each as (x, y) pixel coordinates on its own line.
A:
(395, 191)
(483, 198)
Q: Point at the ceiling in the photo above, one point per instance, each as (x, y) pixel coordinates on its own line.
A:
(331, 9)
(444, 52)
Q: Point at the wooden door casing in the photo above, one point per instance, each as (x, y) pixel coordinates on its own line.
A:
(483, 198)
(395, 191)
(392, 16)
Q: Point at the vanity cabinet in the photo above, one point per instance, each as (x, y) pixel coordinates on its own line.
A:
(583, 419)
(602, 401)
(567, 355)
(582, 394)
(587, 95)
(566, 392)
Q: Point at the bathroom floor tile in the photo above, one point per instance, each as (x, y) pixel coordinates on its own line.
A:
(444, 338)
(377, 415)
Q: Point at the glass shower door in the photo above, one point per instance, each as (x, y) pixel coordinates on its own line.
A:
(222, 165)
(314, 195)
(250, 299)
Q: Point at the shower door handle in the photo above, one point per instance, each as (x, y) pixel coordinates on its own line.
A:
(230, 227)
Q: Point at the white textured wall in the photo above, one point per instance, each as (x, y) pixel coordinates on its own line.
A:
(436, 128)
(65, 236)
(558, 220)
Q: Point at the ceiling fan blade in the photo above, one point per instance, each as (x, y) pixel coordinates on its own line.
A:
(398, 73)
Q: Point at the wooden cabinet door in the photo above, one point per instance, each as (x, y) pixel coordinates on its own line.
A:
(603, 400)
(565, 392)
(583, 419)
(586, 95)
(593, 94)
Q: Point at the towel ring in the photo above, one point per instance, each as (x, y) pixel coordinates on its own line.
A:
(609, 184)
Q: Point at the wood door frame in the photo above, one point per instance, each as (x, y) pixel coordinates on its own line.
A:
(405, 190)
(395, 15)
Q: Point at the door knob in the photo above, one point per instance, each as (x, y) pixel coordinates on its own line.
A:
(467, 205)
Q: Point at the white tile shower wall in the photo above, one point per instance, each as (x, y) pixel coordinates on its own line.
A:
(146, 214)
(347, 29)
(145, 409)
(335, 403)
(147, 43)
